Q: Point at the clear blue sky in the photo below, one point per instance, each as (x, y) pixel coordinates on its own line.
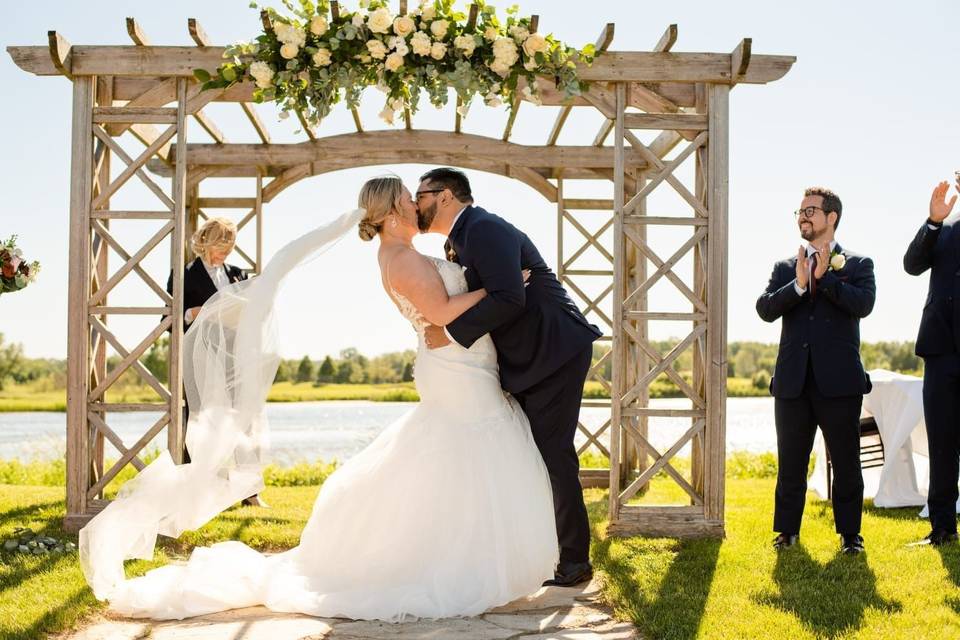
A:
(870, 110)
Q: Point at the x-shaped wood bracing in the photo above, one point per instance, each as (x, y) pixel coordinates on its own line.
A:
(130, 359)
(133, 167)
(662, 461)
(665, 268)
(665, 173)
(127, 455)
(592, 438)
(592, 239)
(132, 262)
(671, 373)
(663, 365)
(592, 303)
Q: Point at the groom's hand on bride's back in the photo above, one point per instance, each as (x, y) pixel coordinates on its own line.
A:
(435, 337)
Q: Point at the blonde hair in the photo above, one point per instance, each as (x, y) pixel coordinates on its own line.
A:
(215, 233)
(379, 196)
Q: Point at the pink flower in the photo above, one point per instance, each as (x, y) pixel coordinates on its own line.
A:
(10, 268)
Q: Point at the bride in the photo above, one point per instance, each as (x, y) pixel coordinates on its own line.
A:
(448, 512)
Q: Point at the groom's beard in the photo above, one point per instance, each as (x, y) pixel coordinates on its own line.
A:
(425, 217)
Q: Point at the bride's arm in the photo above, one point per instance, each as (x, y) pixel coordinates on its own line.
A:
(416, 279)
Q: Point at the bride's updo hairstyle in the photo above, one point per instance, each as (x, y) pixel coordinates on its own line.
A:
(379, 196)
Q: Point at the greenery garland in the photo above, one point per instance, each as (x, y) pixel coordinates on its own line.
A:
(307, 62)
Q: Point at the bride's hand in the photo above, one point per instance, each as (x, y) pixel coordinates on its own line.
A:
(526, 276)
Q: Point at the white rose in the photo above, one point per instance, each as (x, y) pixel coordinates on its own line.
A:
(289, 51)
(322, 57)
(399, 44)
(428, 11)
(404, 26)
(534, 44)
(439, 28)
(420, 42)
(377, 49)
(381, 20)
(319, 25)
(500, 68)
(504, 55)
(394, 61)
(837, 261)
(290, 34)
(387, 114)
(357, 20)
(519, 33)
(465, 44)
(491, 33)
(438, 50)
(262, 73)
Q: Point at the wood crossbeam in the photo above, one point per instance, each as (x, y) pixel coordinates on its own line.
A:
(592, 238)
(133, 167)
(594, 372)
(602, 44)
(157, 95)
(131, 263)
(131, 359)
(662, 461)
(665, 268)
(666, 172)
(671, 373)
(592, 438)
(134, 262)
(592, 304)
(101, 426)
(129, 454)
(660, 367)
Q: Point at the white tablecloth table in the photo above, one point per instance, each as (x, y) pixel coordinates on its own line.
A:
(896, 403)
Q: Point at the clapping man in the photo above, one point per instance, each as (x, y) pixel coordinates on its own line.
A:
(821, 293)
(937, 247)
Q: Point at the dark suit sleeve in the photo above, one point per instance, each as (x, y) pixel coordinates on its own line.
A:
(497, 266)
(170, 291)
(919, 255)
(855, 296)
(778, 298)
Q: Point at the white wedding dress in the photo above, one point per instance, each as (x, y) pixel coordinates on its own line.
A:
(448, 512)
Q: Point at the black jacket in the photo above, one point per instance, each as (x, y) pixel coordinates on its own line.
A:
(197, 285)
(939, 251)
(536, 329)
(824, 330)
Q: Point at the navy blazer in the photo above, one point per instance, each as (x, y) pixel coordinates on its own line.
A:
(937, 250)
(822, 331)
(197, 285)
(536, 329)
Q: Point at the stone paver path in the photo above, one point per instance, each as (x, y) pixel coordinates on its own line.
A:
(552, 613)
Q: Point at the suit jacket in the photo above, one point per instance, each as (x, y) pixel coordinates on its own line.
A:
(821, 330)
(939, 251)
(536, 329)
(197, 285)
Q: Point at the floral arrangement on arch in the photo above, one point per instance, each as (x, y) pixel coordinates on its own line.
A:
(15, 272)
(307, 62)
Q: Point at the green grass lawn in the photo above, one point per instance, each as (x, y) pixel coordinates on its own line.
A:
(732, 589)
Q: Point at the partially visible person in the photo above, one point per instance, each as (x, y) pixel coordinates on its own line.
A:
(821, 293)
(937, 247)
(212, 242)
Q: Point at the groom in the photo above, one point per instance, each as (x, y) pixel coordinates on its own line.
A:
(544, 344)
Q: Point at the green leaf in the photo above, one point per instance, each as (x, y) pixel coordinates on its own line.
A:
(202, 75)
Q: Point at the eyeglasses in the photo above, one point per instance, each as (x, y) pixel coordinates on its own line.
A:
(420, 193)
(807, 212)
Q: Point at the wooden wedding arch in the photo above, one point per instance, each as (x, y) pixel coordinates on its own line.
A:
(149, 91)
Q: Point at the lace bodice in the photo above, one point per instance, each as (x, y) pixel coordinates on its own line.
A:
(453, 281)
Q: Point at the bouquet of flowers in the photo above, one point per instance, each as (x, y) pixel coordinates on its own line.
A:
(15, 272)
(306, 61)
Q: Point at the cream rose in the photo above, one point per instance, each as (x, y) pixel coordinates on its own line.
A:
(491, 33)
(534, 44)
(404, 26)
(262, 74)
(358, 20)
(319, 25)
(322, 57)
(519, 33)
(427, 11)
(439, 28)
(394, 61)
(380, 20)
(466, 44)
(504, 53)
(289, 51)
(377, 49)
(838, 261)
(420, 43)
(438, 50)
(290, 34)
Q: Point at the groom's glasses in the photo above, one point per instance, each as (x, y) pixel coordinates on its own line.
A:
(420, 193)
(807, 213)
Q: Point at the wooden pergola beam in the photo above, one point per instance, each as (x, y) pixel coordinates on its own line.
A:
(59, 50)
(136, 33)
(613, 66)
(602, 44)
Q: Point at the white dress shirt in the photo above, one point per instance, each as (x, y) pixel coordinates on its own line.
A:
(810, 251)
(218, 275)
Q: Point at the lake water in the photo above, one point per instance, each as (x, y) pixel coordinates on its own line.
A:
(328, 430)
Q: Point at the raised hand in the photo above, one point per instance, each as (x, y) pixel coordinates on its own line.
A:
(823, 261)
(803, 268)
(939, 207)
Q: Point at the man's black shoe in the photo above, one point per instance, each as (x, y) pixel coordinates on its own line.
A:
(569, 574)
(785, 540)
(852, 544)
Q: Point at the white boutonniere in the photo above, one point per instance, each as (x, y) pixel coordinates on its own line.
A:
(837, 261)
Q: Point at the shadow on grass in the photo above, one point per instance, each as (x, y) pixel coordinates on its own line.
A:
(950, 557)
(675, 610)
(900, 513)
(828, 599)
(16, 517)
(55, 618)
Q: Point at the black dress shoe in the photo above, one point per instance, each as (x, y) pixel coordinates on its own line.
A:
(569, 574)
(939, 537)
(852, 544)
(785, 540)
(254, 501)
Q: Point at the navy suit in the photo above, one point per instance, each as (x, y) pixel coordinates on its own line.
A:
(544, 349)
(819, 380)
(938, 343)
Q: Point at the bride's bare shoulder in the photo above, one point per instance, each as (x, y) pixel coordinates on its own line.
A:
(404, 265)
